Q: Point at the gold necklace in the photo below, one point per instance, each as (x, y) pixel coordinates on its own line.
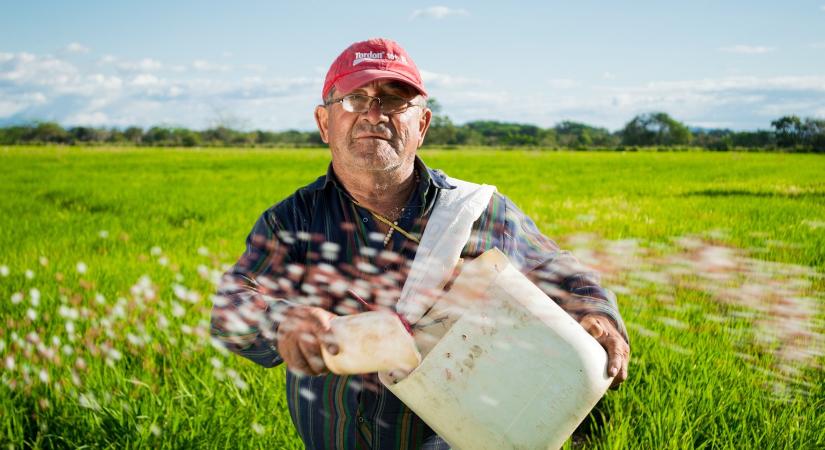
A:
(393, 224)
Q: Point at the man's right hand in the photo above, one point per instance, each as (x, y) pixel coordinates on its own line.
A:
(300, 335)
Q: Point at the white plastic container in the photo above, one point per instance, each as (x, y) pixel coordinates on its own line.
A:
(512, 370)
(368, 342)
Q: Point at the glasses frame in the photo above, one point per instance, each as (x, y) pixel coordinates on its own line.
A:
(373, 98)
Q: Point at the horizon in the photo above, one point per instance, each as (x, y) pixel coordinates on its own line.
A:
(735, 66)
(33, 123)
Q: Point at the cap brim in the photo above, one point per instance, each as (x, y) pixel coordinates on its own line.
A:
(354, 80)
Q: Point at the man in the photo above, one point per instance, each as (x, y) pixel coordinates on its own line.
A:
(348, 238)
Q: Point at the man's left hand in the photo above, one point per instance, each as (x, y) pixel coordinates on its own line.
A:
(618, 351)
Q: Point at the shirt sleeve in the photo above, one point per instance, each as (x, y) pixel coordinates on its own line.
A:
(252, 295)
(557, 273)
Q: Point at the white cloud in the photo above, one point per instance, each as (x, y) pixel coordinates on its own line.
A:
(563, 83)
(143, 65)
(608, 76)
(30, 69)
(437, 80)
(146, 92)
(10, 105)
(76, 47)
(438, 12)
(793, 83)
(207, 66)
(741, 102)
(145, 79)
(47, 87)
(747, 49)
(93, 119)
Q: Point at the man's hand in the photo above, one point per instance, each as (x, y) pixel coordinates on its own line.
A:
(300, 336)
(618, 352)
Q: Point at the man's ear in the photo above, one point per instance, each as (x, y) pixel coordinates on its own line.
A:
(424, 125)
(321, 117)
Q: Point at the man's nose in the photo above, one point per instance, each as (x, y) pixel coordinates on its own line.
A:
(374, 114)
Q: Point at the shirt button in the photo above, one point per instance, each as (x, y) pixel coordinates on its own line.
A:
(360, 419)
(365, 219)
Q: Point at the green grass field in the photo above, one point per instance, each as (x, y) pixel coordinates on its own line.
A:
(108, 257)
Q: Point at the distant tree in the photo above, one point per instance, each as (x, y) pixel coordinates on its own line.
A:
(88, 135)
(185, 137)
(506, 133)
(714, 139)
(548, 138)
(133, 134)
(813, 131)
(754, 139)
(434, 105)
(314, 138)
(656, 128)
(48, 132)
(159, 136)
(293, 138)
(115, 136)
(788, 130)
(578, 135)
(219, 136)
(468, 136)
(442, 131)
(18, 134)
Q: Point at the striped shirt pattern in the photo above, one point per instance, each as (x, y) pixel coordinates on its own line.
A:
(316, 245)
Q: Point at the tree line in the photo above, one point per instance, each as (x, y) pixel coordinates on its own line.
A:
(657, 129)
(158, 136)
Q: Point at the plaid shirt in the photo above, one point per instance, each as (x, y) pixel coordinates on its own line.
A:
(314, 246)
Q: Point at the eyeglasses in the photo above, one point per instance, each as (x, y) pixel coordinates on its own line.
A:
(360, 103)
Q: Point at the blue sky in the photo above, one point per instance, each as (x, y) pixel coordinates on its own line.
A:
(256, 64)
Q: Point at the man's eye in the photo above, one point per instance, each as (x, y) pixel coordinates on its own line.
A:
(393, 100)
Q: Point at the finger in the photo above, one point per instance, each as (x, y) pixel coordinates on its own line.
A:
(304, 364)
(614, 356)
(618, 361)
(614, 363)
(593, 327)
(291, 355)
(297, 363)
(625, 365)
(308, 344)
(619, 378)
(331, 344)
(622, 376)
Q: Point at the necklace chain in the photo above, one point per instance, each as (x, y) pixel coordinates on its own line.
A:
(393, 224)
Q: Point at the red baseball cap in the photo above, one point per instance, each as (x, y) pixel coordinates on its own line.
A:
(366, 61)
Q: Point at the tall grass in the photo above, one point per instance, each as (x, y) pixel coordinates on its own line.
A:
(108, 259)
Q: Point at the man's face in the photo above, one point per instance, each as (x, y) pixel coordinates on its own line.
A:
(373, 141)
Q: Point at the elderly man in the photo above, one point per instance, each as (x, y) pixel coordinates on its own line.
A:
(351, 235)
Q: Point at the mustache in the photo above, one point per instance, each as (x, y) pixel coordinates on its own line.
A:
(379, 130)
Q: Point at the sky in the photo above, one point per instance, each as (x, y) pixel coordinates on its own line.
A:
(261, 64)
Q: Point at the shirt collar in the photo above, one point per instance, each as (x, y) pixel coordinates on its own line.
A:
(428, 176)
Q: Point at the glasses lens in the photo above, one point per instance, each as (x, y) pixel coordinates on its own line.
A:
(356, 103)
(392, 103)
(359, 103)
